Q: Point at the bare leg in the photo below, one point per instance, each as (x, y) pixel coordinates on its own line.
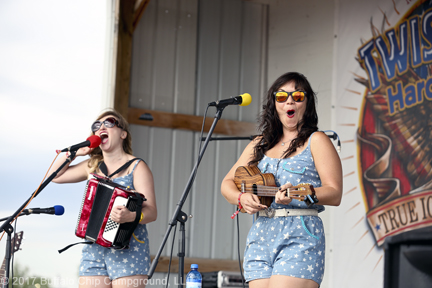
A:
(280, 281)
(94, 282)
(130, 281)
(259, 283)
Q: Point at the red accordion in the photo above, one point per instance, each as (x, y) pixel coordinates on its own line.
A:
(94, 222)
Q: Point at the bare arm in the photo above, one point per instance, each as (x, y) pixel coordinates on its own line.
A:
(329, 168)
(72, 173)
(143, 183)
(249, 201)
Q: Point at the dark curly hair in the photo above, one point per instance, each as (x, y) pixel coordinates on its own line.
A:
(270, 125)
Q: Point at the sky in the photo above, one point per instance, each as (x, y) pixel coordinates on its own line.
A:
(52, 56)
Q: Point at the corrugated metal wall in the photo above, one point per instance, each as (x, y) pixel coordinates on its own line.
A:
(187, 53)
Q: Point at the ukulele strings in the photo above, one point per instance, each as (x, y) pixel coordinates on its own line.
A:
(265, 190)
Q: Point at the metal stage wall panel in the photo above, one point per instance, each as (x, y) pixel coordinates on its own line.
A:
(186, 54)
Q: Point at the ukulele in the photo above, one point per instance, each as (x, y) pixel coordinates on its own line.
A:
(249, 179)
(15, 246)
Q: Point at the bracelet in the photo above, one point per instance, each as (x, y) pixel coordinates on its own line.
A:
(239, 206)
(239, 203)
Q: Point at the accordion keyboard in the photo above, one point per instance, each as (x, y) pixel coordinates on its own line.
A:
(112, 227)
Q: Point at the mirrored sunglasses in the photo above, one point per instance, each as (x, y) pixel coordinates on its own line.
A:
(282, 96)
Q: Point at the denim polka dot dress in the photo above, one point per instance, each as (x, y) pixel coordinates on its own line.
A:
(101, 261)
(293, 245)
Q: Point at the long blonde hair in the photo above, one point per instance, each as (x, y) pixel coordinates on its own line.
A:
(96, 155)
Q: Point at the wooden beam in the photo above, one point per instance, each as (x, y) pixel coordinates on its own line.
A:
(205, 265)
(190, 122)
(124, 56)
(140, 7)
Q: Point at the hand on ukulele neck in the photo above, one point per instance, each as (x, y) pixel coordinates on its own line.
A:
(282, 196)
(249, 179)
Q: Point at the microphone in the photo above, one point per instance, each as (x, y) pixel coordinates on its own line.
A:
(92, 142)
(57, 210)
(242, 100)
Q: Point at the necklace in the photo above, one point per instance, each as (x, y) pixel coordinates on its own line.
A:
(283, 143)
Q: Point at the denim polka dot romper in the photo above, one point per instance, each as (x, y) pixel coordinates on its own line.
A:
(293, 245)
(101, 261)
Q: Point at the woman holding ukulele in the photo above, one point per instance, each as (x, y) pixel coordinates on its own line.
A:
(287, 249)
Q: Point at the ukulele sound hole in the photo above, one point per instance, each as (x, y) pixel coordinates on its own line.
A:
(255, 189)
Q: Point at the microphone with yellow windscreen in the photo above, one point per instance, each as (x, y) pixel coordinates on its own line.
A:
(246, 99)
(242, 100)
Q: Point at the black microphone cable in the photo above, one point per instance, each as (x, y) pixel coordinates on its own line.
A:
(238, 251)
(170, 259)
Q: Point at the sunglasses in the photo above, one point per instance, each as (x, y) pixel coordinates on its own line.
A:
(109, 123)
(282, 96)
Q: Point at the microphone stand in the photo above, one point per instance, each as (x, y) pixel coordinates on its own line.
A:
(7, 227)
(180, 216)
(231, 138)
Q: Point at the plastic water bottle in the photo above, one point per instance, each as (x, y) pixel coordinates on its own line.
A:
(194, 278)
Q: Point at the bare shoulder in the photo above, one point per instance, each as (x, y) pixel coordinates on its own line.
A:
(321, 145)
(319, 138)
(142, 167)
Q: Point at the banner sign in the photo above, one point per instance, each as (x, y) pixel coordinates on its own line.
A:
(395, 131)
(401, 215)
